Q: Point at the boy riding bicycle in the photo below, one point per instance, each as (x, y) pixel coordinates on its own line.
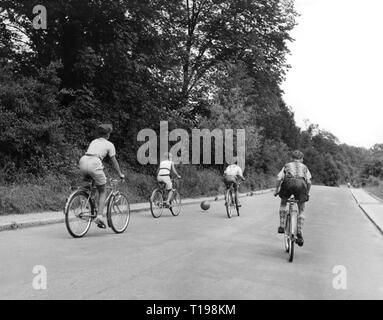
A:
(232, 175)
(91, 165)
(164, 170)
(294, 179)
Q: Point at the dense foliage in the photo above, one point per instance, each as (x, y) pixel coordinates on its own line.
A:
(197, 64)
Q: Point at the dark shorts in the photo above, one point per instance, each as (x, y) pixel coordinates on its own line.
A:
(296, 187)
(229, 180)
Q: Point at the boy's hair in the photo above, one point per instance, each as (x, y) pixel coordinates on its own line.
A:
(104, 129)
(297, 155)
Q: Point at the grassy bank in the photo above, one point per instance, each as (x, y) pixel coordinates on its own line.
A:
(376, 190)
(374, 185)
(50, 192)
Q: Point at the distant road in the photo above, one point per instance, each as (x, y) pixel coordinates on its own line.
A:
(203, 255)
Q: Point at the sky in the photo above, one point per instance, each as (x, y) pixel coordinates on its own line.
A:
(337, 69)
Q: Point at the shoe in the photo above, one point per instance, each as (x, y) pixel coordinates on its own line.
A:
(100, 223)
(281, 230)
(300, 240)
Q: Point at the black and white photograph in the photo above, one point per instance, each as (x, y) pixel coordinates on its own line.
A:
(191, 155)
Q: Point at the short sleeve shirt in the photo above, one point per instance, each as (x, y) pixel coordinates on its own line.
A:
(295, 169)
(101, 148)
(234, 170)
(165, 167)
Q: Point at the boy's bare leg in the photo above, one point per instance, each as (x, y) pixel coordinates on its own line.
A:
(301, 216)
(282, 213)
(170, 194)
(237, 198)
(101, 202)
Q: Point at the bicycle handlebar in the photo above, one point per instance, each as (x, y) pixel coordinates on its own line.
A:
(292, 200)
(117, 180)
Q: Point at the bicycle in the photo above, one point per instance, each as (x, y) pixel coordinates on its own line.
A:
(80, 209)
(291, 224)
(230, 200)
(157, 202)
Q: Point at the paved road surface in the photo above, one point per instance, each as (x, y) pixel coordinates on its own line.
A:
(202, 255)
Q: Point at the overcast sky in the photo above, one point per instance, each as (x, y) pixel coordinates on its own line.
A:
(337, 68)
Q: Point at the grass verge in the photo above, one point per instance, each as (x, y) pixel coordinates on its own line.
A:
(50, 193)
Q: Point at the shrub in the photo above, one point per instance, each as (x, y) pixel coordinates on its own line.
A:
(373, 181)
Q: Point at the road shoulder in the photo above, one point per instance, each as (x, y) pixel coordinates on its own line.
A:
(371, 206)
(18, 221)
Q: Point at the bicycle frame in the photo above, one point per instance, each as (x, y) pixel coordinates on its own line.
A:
(91, 190)
(232, 192)
(157, 205)
(231, 199)
(162, 188)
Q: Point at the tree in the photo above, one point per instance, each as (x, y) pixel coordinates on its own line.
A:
(201, 34)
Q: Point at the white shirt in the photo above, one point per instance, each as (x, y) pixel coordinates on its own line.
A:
(165, 167)
(234, 170)
(101, 147)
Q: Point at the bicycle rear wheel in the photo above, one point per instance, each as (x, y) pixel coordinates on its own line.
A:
(229, 201)
(292, 226)
(118, 213)
(79, 210)
(287, 233)
(156, 203)
(175, 208)
(291, 250)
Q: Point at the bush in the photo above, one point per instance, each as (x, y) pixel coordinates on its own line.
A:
(31, 194)
(373, 181)
(19, 199)
(32, 139)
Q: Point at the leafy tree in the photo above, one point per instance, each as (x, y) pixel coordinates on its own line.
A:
(196, 63)
(32, 135)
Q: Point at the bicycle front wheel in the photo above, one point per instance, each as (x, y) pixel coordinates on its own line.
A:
(79, 210)
(175, 208)
(118, 213)
(228, 204)
(156, 203)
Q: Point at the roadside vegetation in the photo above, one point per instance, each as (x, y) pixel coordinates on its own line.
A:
(372, 172)
(198, 64)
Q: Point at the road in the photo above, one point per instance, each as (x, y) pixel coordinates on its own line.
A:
(203, 255)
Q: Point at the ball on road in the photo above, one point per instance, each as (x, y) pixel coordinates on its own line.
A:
(205, 205)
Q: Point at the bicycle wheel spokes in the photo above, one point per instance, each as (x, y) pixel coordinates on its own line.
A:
(78, 215)
(176, 204)
(293, 232)
(119, 213)
(287, 234)
(291, 250)
(156, 203)
(229, 204)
